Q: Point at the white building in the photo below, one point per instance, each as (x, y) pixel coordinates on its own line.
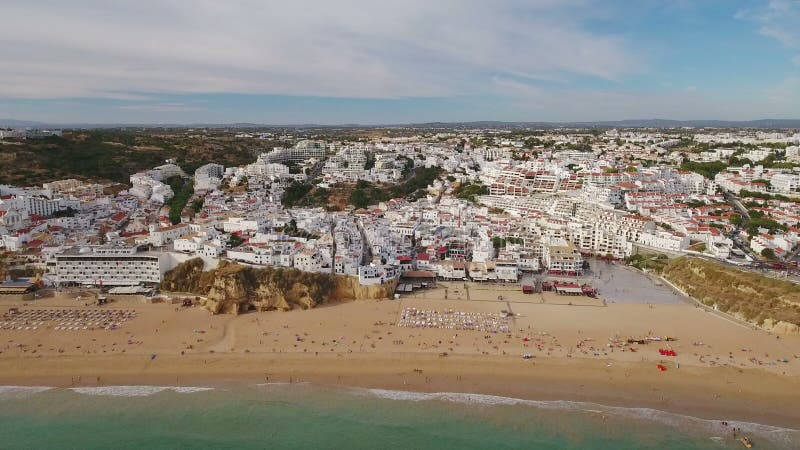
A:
(109, 266)
(40, 205)
(507, 271)
(560, 259)
(785, 183)
(208, 177)
(308, 260)
(664, 240)
(165, 235)
(241, 224)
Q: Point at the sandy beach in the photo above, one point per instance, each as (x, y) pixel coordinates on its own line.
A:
(577, 351)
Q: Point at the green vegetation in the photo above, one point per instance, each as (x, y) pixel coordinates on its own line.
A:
(764, 196)
(707, 169)
(408, 167)
(768, 253)
(235, 240)
(536, 142)
(519, 156)
(291, 230)
(655, 263)
(370, 163)
(113, 155)
(197, 205)
(366, 194)
(498, 242)
(183, 190)
(469, 191)
(294, 193)
(415, 186)
(68, 212)
(751, 295)
(581, 147)
(758, 220)
(698, 247)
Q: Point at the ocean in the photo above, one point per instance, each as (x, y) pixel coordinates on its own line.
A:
(283, 416)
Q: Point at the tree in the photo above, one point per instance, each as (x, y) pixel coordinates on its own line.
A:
(183, 190)
(235, 240)
(370, 163)
(768, 253)
(359, 198)
(197, 205)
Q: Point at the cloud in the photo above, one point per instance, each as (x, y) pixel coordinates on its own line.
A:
(569, 103)
(787, 92)
(162, 107)
(778, 19)
(347, 48)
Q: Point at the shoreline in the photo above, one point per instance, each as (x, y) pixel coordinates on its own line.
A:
(720, 393)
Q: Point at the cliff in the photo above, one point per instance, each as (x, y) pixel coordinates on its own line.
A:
(773, 304)
(233, 288)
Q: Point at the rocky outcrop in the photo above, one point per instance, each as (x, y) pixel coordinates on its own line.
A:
(781, 327)
(233, 288)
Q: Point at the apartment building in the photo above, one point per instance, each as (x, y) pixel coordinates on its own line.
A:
(785, 183)
(562, 259)
(108, 265)
(665, 240)
(208, 176)
(166, 235)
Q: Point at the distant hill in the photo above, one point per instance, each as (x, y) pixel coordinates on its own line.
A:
(113, 155)
(11, 123)
(629, 123)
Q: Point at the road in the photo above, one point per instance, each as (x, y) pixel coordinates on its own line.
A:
(735, 234)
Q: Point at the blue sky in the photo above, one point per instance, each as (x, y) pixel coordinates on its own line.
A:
(358, 61)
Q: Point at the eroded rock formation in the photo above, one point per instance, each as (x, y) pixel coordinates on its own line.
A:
(234, 288)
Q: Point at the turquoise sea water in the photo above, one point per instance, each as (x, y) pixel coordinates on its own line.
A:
(308, 416)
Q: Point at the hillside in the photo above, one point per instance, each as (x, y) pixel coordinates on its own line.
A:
(773, 304)
(234, 288)
(113, 155)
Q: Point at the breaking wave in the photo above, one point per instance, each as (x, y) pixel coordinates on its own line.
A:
(783, 436)
(22, 391)
(136, 391)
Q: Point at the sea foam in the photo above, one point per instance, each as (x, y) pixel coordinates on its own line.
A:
(22, 391)
(784, 436)
(136, 391)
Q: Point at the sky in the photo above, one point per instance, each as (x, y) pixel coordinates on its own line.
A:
(409, 61)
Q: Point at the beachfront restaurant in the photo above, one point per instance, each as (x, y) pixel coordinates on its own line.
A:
(411, 280)
(23, 289)
(568, 289)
